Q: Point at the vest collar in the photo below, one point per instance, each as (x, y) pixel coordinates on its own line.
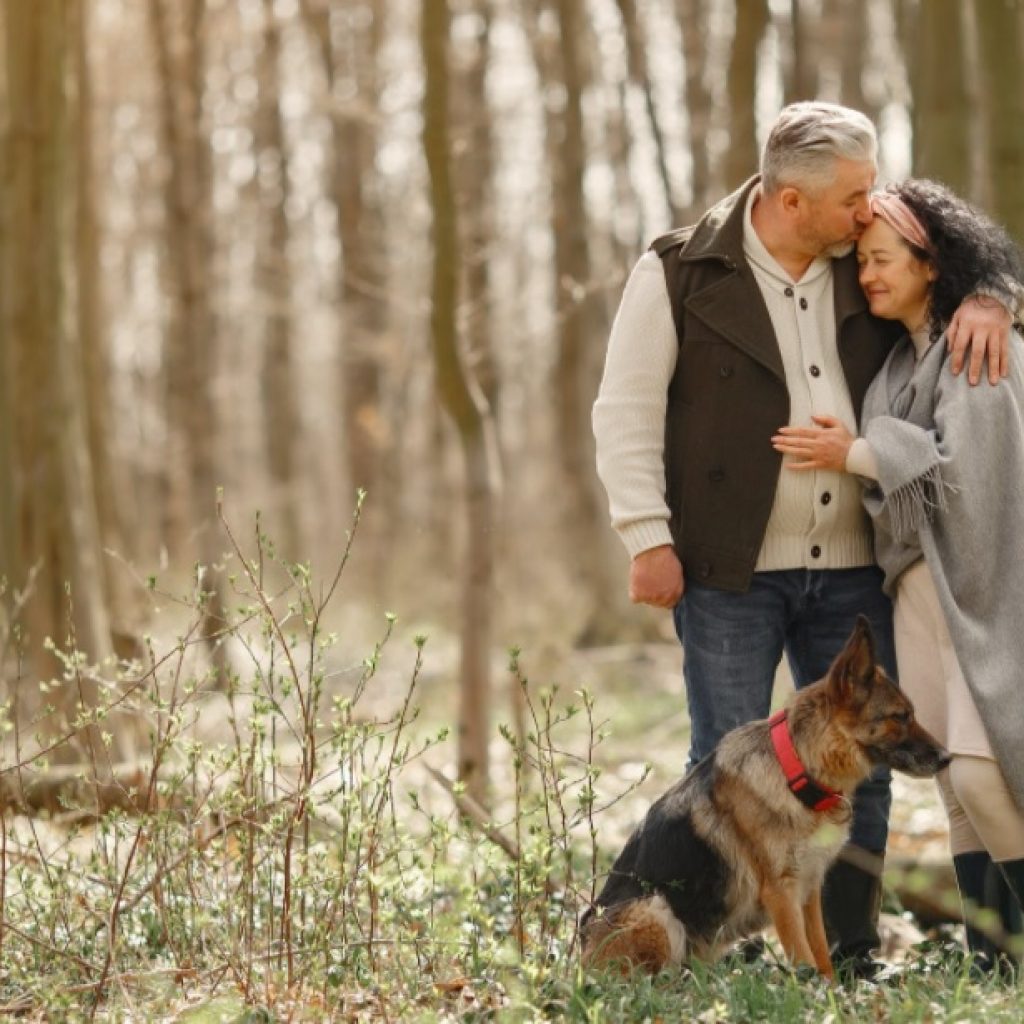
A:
(810, 793)
(732, 303)
(719, 233)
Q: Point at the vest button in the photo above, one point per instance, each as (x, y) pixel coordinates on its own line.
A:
(826, 498)
(704, 570)
(725, 371)
(816, 552)
(717, 475)
(815, 371)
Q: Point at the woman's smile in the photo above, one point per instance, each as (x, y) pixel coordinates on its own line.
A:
(894, 280)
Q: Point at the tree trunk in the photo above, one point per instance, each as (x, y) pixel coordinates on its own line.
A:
(801, 82)
(465, 404)
(1000, 38)
(942, 109)
(112, 492)
(354, 144)
(636, 56)
(692, 17)
(281, 420)
(845, 35)
(364, 282)
(475, 176)
(7, 466)
(619, 144)
(741, 156)
(190, 344)
(353, 84)
(51, 534)
(583, 510)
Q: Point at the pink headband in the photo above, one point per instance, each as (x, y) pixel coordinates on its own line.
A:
(901, 218)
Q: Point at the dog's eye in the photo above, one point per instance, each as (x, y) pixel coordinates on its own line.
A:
(902, 717)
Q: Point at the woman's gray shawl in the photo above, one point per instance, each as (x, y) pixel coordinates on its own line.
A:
(951, 486)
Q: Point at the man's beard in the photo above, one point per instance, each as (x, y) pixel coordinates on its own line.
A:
(838, 250)
(825, 247)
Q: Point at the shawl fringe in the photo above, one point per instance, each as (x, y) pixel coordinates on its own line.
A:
(915, 503)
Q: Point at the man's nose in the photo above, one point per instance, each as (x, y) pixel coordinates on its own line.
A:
(864, 215)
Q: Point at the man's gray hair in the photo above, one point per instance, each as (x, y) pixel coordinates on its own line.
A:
(807, 138)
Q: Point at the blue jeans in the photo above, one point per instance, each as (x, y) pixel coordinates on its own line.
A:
(733, 643)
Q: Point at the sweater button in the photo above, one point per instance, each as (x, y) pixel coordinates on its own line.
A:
(803, 303)
(826, 498)
(816, 552)
(789, 293)
(815, 371)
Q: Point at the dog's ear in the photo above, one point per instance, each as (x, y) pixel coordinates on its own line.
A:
(855, 664)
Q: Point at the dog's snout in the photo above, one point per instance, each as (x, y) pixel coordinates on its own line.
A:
(921, 758)
(923, 755)
(918, 754)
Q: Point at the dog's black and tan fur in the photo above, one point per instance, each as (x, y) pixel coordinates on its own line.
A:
(730, 849)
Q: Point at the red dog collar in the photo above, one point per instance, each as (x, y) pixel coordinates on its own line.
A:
(810, 793)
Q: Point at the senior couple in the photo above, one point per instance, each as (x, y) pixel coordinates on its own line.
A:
(792, 430)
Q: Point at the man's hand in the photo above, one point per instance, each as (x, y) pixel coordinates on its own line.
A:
(982, 323)
(822, 447)
(656, 577)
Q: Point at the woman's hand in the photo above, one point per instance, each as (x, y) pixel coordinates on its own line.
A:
(822, 447)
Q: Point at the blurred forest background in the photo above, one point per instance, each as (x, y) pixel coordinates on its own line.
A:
(298, 248)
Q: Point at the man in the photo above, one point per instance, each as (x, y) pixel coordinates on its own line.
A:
(750, 320)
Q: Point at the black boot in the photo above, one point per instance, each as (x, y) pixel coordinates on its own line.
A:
(851, 901)
(985, 886)
(1012, 903)
(972, 869)
(1013, 872)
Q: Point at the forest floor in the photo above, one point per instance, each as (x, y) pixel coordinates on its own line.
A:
(365, 896)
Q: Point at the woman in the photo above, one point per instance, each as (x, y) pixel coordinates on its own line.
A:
(943, 468)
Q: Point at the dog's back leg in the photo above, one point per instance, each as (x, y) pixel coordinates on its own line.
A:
(634, 937)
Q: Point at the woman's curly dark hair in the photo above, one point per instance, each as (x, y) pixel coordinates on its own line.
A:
(968, 249)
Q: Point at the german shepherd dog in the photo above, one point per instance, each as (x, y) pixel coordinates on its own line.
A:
(746, 837)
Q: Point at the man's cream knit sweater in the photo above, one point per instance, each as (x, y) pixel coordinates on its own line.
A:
(817, 520)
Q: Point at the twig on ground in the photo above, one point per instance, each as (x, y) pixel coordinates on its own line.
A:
(477, 815)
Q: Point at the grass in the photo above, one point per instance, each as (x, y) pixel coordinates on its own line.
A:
(307, 867)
